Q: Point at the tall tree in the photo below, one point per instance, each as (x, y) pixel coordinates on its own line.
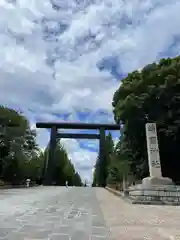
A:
(64, 169)
(151, 95)
(21, 158)
(101, 168)
(77, 180)
(17, 145)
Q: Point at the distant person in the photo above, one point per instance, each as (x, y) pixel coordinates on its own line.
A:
(28, 182)
(66, 183)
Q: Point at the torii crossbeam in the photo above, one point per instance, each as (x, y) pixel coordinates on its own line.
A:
(69, 125)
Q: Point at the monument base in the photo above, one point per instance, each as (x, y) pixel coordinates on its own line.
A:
(152, 182)
(157, 191)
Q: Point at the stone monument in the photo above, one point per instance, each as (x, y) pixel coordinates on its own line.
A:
(154, 189)
(154, 163)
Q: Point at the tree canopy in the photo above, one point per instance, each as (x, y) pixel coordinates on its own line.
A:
(102, 168)
(150, 95)
(21, 157)
(64, 169)
(114, 169)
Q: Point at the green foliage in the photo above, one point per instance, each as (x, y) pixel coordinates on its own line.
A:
(20, 157)
(101, 168)
(64, 169)
(119, 169)
(150, 95)
(115, 165)
(114, 175)
(17, 145)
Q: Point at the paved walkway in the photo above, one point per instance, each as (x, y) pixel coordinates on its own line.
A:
(61, 213)
(139, 222)
(51, 213)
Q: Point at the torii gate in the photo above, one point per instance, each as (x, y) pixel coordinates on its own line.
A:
(64, 125)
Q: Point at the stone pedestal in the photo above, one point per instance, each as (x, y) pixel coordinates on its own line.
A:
(154, 182)
(154, 189)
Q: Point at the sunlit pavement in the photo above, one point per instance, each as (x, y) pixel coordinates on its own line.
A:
(139, 222)
(51, 213)
(77, 214)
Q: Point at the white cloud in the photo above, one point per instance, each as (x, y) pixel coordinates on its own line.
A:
(49, 56)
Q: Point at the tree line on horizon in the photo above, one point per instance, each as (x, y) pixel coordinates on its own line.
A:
(22, 158)
(148, 95)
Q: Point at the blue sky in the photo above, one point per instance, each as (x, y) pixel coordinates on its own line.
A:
(63, 60)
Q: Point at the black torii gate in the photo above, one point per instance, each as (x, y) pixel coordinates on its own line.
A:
(64, 125)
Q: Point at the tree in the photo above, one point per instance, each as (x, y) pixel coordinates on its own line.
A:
(64, 169)
(119, 170)
(151, 95)
(114, 175)
(101, 168)
(33, 169)
(21, 158)
(77, 180)
(17, 145)
(94, 183)
(109, 149)
(61, 159)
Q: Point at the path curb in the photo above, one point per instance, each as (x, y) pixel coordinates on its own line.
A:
(119, 194)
